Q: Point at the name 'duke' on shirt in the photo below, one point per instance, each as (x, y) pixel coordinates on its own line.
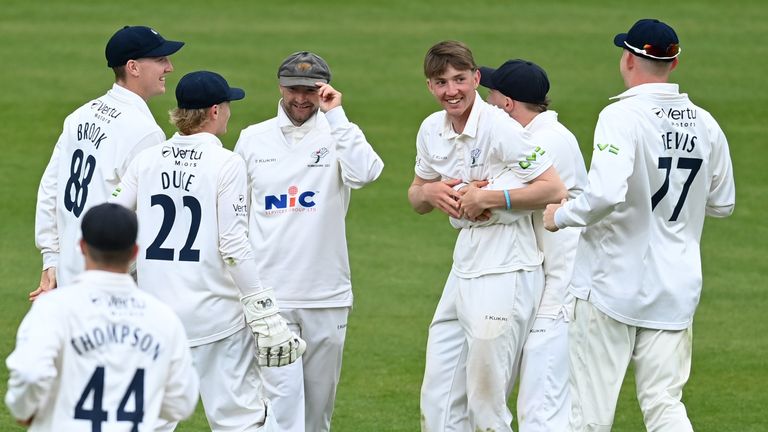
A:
(179, 179)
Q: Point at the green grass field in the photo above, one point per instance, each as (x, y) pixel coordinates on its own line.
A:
(53, 61)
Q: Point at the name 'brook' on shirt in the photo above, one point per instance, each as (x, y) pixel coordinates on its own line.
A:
(113, 334)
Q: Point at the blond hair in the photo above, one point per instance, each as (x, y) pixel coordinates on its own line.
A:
(189, 121)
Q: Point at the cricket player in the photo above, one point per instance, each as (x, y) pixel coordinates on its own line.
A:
(101, 354)
(190, 194)
(520, 88)
(492, 293)
(660, 164)
(302, 167)
(95, 147)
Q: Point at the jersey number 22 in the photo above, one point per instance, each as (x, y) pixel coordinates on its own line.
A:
(155, 251)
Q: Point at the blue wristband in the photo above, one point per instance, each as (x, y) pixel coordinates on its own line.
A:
(506, 197)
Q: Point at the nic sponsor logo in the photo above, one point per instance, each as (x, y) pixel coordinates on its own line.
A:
(294, 201)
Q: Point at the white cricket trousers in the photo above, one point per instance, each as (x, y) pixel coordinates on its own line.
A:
(600, 351)
(544, 396)
(303, 393)
(474, 346)
(230, 385)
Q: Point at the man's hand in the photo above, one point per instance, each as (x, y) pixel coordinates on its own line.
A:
(276, 344)
(442, 196)
(471, 204)
(549, 216)
(330, 98)
(47, 283)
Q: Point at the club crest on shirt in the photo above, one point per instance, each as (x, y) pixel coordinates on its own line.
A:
(316, 156)
(475, 155)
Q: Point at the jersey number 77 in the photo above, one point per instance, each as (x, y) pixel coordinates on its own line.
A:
(665, 163)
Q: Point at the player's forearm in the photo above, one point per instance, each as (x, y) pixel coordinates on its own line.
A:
(418, 200)
(46, 226)
(245, 273)
(182, 387)
(360, 164)
(534, 197)
(27, 390)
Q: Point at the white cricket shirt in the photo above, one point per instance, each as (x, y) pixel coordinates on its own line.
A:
(82, 350)
(94, 149)
(559, 247)
(299, 195)
(659, 164)
(190, 195)
(490, 143)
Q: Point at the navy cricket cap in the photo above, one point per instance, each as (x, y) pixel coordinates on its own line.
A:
(135, 42)
(651, 39)
(303, 68)
(110, 227)
(203, 89)
(517, 79)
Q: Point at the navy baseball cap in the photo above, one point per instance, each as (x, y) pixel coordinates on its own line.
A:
(203, 89)
(135, 42)
(517, 79)
(303, 68)
(651, 39)
(110, 227)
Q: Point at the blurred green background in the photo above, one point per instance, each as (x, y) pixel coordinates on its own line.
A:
(53, 61)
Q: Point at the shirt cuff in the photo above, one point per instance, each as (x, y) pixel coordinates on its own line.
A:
(50, 259)
(560, 219)
(336, 117)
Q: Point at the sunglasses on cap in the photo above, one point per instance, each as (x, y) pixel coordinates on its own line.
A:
(658, 53)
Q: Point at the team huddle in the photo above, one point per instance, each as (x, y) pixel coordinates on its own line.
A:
(175, 282)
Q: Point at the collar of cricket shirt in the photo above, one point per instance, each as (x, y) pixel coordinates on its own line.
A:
(123, 94)
(650, 88)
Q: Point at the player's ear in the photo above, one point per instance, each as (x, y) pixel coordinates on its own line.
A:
(509, 104)
(132, 68)
(431, 86)
(84, 248)
(675, 61)
(135, 252)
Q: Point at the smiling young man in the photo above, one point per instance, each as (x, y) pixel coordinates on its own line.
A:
(95, 147)
(490, 299)
(302, 167)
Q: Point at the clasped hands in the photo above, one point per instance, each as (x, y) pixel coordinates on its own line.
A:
(459, 200)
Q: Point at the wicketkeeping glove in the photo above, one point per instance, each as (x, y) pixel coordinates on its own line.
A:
(276, 344)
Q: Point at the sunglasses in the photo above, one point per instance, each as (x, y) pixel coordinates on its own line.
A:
(658, 53)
